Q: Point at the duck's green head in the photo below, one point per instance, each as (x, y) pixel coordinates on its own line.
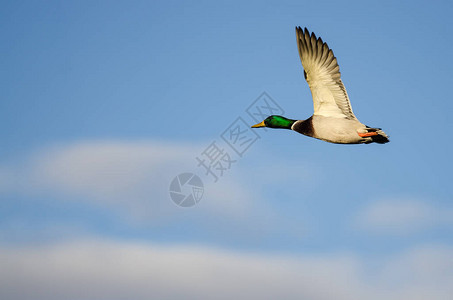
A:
(275, 122)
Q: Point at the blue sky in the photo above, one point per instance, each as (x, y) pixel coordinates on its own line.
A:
(104, 102)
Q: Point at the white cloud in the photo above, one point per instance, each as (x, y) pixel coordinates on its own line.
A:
(402, 216)
(93, 269)
(104, 171)
(132, 178)
(101, 169)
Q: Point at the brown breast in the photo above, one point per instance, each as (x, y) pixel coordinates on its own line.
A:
(305, 127)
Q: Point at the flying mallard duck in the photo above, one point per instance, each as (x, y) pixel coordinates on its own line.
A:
(333, 120)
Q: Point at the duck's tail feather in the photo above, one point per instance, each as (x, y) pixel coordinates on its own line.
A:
(380, 138)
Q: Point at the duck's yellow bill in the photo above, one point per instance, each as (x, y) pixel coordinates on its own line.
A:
(259, 125)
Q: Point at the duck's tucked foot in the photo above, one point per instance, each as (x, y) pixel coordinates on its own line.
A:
(367, 134)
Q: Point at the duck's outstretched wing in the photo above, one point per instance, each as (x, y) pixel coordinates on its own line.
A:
(322, 73)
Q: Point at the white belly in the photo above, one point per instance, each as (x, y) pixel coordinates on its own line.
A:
(338, 130)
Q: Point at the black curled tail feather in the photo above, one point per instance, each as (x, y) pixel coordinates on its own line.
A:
(380, 138)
